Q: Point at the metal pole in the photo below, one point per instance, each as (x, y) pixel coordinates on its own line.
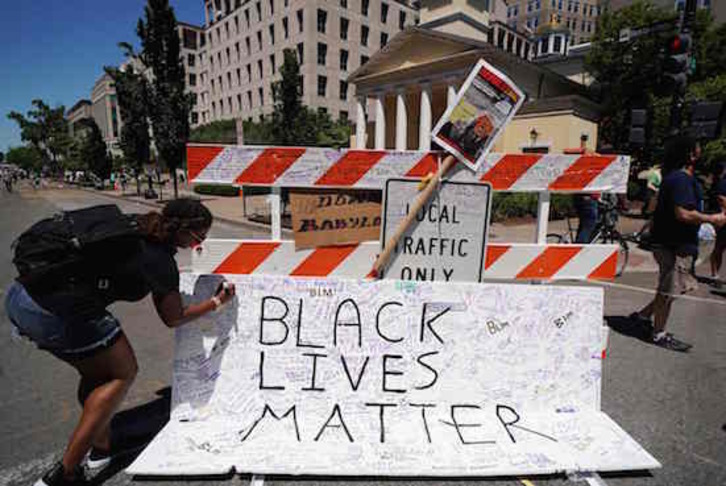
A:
(275, 214)
(543, 216)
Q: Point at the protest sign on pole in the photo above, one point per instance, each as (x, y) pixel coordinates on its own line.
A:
(325, 217)
(447, 240)
(485, 104)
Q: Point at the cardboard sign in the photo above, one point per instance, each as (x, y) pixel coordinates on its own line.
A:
(390, 378)
(334, 217)
(447, 241)
(486, 103)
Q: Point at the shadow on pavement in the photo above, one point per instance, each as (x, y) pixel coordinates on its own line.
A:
(133, 429)
(627, 327)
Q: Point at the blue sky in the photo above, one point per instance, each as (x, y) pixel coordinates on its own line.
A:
(56, 49)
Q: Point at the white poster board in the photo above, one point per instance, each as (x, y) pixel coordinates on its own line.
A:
(390, 378)
(447, 240)
(485, 104)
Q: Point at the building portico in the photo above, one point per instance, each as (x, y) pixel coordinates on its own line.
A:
(406, 87)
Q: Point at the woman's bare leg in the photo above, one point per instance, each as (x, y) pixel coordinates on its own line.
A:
(109, 374)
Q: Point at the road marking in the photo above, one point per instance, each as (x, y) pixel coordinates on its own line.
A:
(692, 298)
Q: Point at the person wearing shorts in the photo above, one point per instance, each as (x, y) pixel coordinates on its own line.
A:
(676, 220)
(68, 318)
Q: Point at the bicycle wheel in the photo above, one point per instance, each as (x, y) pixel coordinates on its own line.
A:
(623, 250)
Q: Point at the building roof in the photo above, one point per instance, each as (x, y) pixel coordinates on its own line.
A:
(581, 106)
(384, 63)
(78, 105)
(192, 26)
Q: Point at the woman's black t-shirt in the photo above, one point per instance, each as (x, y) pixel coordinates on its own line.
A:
(86, 294)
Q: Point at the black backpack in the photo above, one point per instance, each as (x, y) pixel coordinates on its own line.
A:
(74, 243)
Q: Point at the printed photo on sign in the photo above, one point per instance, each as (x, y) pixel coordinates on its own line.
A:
(485, 104)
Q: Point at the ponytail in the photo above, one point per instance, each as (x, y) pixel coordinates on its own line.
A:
(178, 215)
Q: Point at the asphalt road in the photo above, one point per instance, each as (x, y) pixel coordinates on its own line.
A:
(671, 403)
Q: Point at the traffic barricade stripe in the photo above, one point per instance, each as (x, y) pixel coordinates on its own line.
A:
(369, 169)
(323, 261)
(502, 261)
(247, 257)
(350, 168)
(509, 169)
(549, 262)
(269, 165)
(579, 174)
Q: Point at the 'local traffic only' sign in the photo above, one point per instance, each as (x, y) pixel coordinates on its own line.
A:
(447, 240)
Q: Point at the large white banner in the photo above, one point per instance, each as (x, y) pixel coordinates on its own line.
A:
(345, 377)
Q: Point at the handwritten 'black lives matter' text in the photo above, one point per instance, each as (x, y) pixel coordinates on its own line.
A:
(276, 323)
(467, 423)
(384, 407)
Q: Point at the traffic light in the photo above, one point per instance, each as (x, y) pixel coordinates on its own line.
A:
(638, 120)
(676, 64)
(706, 119)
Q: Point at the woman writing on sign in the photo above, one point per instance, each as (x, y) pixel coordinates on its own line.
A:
(68, 318)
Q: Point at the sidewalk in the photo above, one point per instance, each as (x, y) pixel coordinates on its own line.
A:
(225, 209)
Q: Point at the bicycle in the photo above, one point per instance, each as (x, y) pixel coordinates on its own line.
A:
(605, 232)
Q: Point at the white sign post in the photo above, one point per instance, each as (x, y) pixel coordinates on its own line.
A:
(390, 378)
(447, 241)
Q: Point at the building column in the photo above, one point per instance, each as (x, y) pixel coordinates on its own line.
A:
(450, 93)
(360, 123)
(380, 138)
(424, 127)
(401, 120)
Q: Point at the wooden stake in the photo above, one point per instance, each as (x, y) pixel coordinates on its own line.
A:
(385, 255)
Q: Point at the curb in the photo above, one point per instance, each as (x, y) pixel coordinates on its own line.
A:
(233, 222)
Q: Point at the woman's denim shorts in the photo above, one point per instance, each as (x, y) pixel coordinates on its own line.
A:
(67, 339)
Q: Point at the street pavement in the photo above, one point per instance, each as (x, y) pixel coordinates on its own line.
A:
(671, 403)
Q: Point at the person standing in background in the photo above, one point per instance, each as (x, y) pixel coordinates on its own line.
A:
(676, 220)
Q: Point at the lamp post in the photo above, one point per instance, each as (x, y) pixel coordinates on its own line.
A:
(533, 134)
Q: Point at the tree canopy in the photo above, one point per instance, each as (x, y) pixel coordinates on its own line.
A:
(26, 157)
(169, 106)
(46, 129)
(629, 74)
(132, 95)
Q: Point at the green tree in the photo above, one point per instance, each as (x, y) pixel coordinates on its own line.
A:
(26, 157)
(94, 151)
(291, 121)
(628, 74)
(46, 129)
(220, 131)
(132, 95)
(169, 105)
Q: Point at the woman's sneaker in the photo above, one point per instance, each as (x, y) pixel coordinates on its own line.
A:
(669, 342)
(56, 477)
(98, 459)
